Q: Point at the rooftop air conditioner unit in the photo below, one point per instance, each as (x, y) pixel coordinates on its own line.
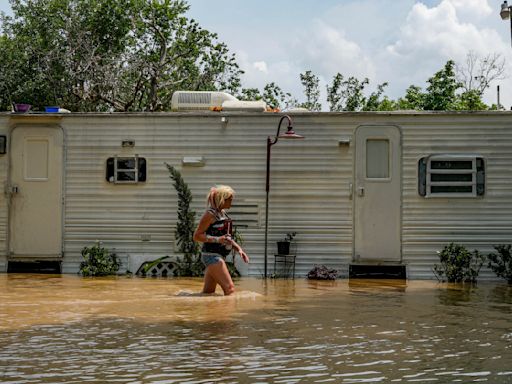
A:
(199, 100)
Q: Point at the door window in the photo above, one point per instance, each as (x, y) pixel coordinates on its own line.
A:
(36, 159)
(377, 159)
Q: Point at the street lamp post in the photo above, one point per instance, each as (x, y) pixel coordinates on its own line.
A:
(290, 134)
(505, 14)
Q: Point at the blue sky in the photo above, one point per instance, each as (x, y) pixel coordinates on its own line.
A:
(401, 42)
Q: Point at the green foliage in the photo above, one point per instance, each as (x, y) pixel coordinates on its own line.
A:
(458, 265)
(442, 88)
(239, 239)
(470, 101)
(276, 98)
(311, 90)
(414, 99)
(190, 264)
(131, 55)
(98, 261)
(348, 95)
(237, 236)
(272, 95)
(374, 102)
(232, 269)
(103, 55)
(289, 236)
(152, 264)
(501, 263)
(250, 94)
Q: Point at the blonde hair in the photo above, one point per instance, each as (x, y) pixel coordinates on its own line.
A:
(218, 195)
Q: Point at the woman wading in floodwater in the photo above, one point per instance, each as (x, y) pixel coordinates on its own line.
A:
(214, 231)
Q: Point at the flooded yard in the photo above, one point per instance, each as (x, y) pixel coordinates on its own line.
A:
(132, 330)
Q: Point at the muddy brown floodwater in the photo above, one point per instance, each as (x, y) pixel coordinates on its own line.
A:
(67, 329)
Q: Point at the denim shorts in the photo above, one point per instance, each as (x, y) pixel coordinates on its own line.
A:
(210, 258)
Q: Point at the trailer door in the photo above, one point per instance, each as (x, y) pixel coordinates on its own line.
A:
(377, 210)
(35, 189)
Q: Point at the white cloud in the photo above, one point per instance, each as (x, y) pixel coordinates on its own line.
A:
(261, 72)
(432, 35)
(260, 66)
(326, 51)
(401, 42)
(474, 9)
(441, 32)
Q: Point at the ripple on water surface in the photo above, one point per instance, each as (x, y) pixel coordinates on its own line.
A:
(68, 329)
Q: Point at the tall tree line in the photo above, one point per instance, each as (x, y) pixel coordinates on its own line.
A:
(108, 55)
(131, 55)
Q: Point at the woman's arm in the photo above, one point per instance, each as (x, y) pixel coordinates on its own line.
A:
(240, 251)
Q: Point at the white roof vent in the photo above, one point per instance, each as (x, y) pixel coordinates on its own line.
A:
(221, 101)
(198, 100)
(297, 110)
(244, 106)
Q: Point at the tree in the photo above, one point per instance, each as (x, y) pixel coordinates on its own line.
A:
(414, 99)
(273, 96)
(98, 55)
(477, 73)
(441, 91)
(374, 103)
(276, 98)
(335, 96)
(470, 101)
(443, 94)
(348, 95)
(311, 90)
(250, 94)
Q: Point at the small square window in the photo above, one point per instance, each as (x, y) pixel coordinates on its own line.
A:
(126, 170)
(451, 176)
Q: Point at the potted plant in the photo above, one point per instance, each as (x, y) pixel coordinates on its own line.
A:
(283, 246)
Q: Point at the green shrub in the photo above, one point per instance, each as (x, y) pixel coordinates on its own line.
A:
(501, 263)
(98, 261)
(190, 265)
(458, 265)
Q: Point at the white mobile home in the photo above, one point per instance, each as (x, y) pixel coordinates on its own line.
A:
(361, 189)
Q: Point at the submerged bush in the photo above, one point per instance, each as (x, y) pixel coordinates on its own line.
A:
(98, 261)
(458, 265)
(322, 273)
(501, 263)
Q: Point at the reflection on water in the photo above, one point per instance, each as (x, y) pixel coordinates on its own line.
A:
(132, 330)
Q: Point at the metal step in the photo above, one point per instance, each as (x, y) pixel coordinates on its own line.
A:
(377, 271)
(34, 266)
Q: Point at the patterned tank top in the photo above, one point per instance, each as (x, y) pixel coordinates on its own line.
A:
(220, 227)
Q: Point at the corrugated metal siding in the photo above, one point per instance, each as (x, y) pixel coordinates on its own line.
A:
(309, 185)
(478, 223)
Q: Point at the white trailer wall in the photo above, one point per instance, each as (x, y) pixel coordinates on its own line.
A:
(310, 182)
